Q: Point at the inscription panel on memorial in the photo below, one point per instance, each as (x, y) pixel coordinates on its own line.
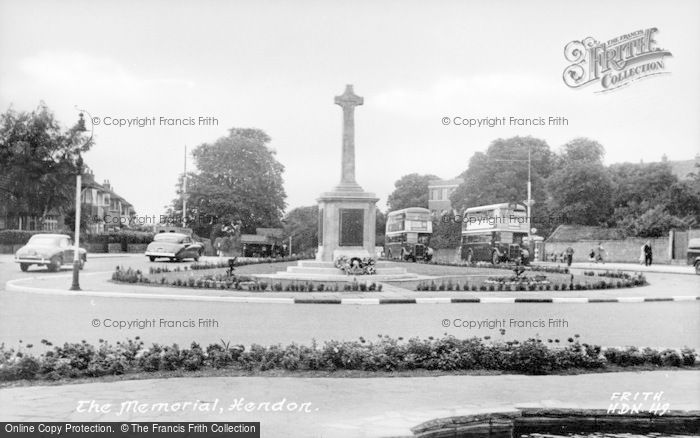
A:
(351, 226)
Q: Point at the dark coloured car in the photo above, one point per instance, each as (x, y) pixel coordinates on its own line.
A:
(50, 250)
(694, 254)
(174, 246)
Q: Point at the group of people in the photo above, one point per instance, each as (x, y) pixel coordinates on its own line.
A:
(597, 255)
(567, 256)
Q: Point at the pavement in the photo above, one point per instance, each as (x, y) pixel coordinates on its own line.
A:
(342, 407)
(630, 267)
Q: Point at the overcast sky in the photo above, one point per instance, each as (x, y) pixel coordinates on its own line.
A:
(277, 66)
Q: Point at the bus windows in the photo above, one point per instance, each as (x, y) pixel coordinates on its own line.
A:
(506, 237)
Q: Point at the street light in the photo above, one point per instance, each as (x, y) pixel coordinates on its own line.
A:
(78, 183)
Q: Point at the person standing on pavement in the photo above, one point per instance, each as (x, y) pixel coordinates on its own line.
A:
(647, 253)
(601, 251)
(569, 255)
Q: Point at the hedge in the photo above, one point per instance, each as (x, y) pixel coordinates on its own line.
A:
(533, 356)
(20, 237)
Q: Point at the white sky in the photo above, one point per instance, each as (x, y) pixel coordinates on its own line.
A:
(276, 66)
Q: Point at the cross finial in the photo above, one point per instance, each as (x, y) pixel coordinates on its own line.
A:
(348, 101)
(349, 98)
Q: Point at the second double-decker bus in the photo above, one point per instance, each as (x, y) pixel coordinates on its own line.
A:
(495, 233)
(408, 234)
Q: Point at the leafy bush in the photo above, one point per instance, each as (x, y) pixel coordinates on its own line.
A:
(448, 353)
(15, 237)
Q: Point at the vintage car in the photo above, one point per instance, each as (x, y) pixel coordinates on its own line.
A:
(50, 250)
(174, 246)
(694, 254)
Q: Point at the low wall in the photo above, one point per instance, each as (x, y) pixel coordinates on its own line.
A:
(521, 421)
(93, 248)
(9, 249)
(137, 247)
(446, 255)
(625, 251)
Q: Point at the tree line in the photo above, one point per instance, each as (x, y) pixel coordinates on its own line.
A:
(237, 180)
(571, 186)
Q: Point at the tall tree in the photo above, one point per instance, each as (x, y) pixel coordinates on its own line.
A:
(410, 191)
(238, 178)
(301, 224)
(500, 175)
(581, 150)
(649, 199)
(38, 162)
(655, 221)
(635, 183)
(581, 189)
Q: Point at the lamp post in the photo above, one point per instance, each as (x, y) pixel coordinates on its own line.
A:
(78, 190)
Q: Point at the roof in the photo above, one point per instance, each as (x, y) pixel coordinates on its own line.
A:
(272, 232)
(410, 210)
(445, 182)
(55, 236)
(256, 239)
(575, 233)
(492, 207)
(170, 233)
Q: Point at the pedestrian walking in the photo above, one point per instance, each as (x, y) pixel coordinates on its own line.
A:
(569, 255)
(601, 251)
(647, 253)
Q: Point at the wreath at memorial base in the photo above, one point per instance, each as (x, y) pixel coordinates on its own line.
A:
(356, 265)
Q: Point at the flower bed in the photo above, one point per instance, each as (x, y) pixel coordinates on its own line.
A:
(239, 261)
(225, 281)
(613, 274)
(449, 353)
(507, 266)
(536, 283)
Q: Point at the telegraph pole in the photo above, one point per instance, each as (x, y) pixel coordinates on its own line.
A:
(529, 194)
(184, 193)
(529, 190)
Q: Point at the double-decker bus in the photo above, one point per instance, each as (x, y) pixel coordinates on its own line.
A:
(408, 234)
(495, 233)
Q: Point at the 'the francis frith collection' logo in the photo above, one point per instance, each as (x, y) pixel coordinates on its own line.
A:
(616, 62)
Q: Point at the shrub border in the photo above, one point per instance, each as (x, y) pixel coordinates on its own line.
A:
(532, 356)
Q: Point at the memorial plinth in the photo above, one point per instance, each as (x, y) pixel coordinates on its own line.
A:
(347, 215)
(346, 225)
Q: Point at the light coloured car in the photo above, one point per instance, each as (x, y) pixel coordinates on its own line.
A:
(50, 250)
(174, 246)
